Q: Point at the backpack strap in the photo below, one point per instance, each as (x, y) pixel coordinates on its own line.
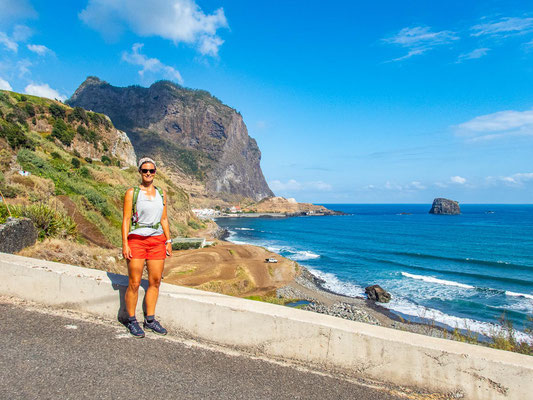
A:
(134, 215)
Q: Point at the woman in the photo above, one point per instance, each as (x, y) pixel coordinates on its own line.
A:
(148, 239)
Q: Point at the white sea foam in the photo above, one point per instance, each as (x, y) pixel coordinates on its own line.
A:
(245, 229)
(303, 255)
(406, 307)
(514, 294)
(431, 279)
(336, 285)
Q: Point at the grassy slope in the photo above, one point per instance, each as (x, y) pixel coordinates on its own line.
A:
(96, 187)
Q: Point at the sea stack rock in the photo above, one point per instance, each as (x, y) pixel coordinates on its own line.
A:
(377, 293)
(445, 207)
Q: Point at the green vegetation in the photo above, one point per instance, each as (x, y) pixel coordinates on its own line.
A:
(185, 246)
(49, 222)
(15, 136)
(57, 111)
(95, 188)
(196, 224)
(64, 133)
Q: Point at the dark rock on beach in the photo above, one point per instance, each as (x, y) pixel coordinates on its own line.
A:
(377, 293)
(16, 234)
(445, 207)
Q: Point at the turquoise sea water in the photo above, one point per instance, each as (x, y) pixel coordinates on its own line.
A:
(462, 271)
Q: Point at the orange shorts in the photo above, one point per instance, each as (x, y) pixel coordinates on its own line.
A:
(148, 247)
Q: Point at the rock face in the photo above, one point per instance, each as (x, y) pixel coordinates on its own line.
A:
(445, 207)
(16, 234)
(189, 130)
(289, 206)
(377, 293)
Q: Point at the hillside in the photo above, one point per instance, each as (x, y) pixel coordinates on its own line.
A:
(80, 166)
(202, 141)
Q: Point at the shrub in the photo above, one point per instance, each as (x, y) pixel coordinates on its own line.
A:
(48, 221)
(79, 114)
(63, 132)
(88, 135)
(23, 98)
(85, 173)
(196, 225)
(75, 162)
(76, 153)
(89, 160)
(55, 154)
(9, 192)
(16, 137)
(30, 109)
(106, 160)
(56, 110)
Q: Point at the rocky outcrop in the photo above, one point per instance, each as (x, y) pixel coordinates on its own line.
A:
(188, 130)
(289, 207)
(17, 234)
(377, 293)
(445, 207)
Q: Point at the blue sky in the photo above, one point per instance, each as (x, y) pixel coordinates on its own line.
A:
(350, 102)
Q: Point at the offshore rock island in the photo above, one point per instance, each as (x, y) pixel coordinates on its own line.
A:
(445, 207)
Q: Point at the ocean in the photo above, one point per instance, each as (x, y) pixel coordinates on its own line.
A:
(463, 271)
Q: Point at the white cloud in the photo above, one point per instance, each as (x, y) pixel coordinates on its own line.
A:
(15, 9)
(477, 53)
(21, 33)
(458, 179)
(4, 85)
(392, 186)
(8, 43)
(517, 179)
(43, 91)
(294, 186)
(497, 125)
(23, 67)
(504, 27)
(177, 20)
(150, 64)
(420, 39)
(39, 49)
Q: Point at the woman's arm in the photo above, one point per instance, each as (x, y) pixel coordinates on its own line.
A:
(126, 219)
(164, 223)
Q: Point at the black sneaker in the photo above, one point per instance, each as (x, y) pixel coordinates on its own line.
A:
(155, 326)
(135, 329)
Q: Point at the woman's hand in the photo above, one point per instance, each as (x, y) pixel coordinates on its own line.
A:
(169, 249)
(126, 252)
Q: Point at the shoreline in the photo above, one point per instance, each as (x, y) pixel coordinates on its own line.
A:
(309, 287)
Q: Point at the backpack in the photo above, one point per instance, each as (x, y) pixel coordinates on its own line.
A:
(135, 215)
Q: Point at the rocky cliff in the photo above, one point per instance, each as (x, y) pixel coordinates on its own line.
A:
(445, 207)
(188, 130)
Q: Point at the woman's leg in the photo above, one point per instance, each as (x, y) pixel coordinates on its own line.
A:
(155, 271)
(135, 271)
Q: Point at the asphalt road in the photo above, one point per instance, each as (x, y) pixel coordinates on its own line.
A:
(46, 356)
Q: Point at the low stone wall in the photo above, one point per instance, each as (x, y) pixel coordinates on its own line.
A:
(358, 349)
(16, 234)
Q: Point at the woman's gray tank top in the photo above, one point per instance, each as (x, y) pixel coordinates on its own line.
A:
(150, 212)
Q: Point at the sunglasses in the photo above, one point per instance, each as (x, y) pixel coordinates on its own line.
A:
(145, 171)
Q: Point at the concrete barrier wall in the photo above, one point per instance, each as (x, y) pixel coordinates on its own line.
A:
(378, 353)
